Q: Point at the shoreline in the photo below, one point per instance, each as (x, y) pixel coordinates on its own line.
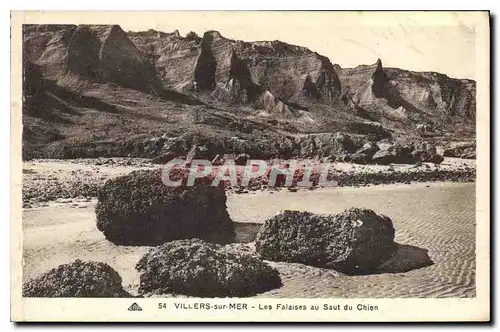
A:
(48, 180)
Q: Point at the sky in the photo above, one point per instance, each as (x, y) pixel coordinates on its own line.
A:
(441, 42)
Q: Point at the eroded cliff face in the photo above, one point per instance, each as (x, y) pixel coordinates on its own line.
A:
(406, 97)
(278, 77)
(122, 87)
(266, 73)
(96, 52)
(174, 57)
(290, 72)
(82, 56)
(269, 75)
(47, 46)
(436, 91)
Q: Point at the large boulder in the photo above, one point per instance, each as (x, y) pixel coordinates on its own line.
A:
(368, 148)
(139, 209)
(197, 268)
(365, 153)
(385, 156)
(354, 241)
(394, 154)
(77, 279)
(384, 144)
(426, 152)
(360, 158)
(423, 156)
(322, 145)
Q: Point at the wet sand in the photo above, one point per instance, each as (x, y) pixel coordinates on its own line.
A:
(438, 217)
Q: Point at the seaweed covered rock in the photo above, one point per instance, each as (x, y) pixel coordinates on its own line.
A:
(139, 209)
(77, 279)
(355, 241)
(197, 268)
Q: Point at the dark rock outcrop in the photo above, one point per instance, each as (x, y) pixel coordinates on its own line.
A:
(77, 279)
(194, 267)
(139, 209)
(426, 152)
(241, 159)
(324, 145)
(365, 154)
(354, 241)
(465, 150)
(394, 154)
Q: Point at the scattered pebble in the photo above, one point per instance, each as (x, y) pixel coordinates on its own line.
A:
(82, 184)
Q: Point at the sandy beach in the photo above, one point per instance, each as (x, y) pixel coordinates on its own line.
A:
(438, 217)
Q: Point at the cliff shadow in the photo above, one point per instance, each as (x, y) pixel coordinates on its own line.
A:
(77, 99)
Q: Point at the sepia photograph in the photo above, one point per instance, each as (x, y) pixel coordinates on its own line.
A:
(182, 158)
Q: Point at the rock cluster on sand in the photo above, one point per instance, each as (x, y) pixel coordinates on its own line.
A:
(194, 267)
(346, 179)
(54, 182)
(354, 241)
(77, 279)
(139, 209)
(49, 187)
(466, 150)
(386, 152)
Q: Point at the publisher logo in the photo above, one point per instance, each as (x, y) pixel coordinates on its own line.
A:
(134, 307)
